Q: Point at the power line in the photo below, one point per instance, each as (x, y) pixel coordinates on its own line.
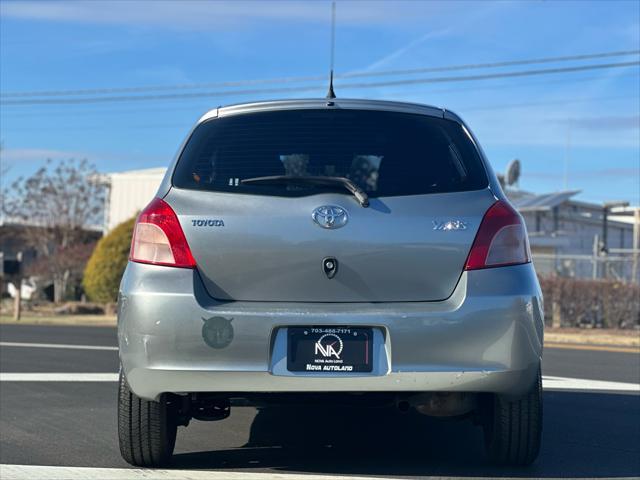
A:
(568, 58)
(182, 125)
(115, 127)
(568, 101)
(487, 76)
(174, 96)
(491, 107)
(281, 80)
(203, 105)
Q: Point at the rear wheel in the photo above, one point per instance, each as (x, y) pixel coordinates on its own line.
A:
(146, 429)
(513, 427)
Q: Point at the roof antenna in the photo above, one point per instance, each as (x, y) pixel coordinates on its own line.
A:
(331, 94)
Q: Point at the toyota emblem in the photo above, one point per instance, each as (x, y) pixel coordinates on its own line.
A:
(330, 216)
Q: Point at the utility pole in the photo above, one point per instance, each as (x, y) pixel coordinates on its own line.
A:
(17, 301)
(567, 156)
(17, 281)
(605, 228)
(606, 206)
(636, 245)
(596, 248)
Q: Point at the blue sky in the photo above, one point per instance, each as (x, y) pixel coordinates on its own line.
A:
(586, 123)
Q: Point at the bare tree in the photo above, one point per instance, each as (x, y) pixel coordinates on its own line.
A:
(56, 205)
(4, 169)
(69, 261)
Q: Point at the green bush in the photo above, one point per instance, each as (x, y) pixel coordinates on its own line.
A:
(107, 263)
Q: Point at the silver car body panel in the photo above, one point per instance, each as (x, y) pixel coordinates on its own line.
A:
(475, 331)
(271, 250)
(486, 337)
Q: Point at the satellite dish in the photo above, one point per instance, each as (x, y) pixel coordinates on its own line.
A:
(513, 172)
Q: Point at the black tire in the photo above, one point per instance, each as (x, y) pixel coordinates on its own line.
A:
(146, 429)
(513, 427)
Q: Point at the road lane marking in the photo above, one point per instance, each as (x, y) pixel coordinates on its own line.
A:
(58, 377)
(548, 382)
(57, 345)
(597, 348)
(563, 383)
(555, 345)
(28, 472)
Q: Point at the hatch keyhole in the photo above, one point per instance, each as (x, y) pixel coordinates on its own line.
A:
(330, 267)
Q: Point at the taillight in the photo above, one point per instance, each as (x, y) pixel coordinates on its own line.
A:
(501, 239)
(158, 238)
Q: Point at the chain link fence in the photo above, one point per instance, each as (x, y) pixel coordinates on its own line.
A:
(618, 265)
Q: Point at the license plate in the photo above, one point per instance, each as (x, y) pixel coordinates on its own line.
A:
(330, 349)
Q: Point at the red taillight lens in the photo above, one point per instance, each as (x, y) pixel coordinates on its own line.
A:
(158, 238)
(501, 239)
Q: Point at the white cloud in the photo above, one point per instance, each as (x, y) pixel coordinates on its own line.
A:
(608, 173)
(606, 122)
(465, 20)
(541, 131)
(17, 162)
(169, 74)
(218, 15)
(404, 49)
(19, 155)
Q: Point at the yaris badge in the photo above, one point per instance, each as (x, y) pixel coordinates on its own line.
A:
(449, 225)
(330, 216)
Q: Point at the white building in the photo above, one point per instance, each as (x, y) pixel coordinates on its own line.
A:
(128, 193)
(558, 223)
(574, 238)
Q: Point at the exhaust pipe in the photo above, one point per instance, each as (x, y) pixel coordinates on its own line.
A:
(444, 404)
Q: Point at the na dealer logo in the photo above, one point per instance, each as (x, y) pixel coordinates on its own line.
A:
(329, 345)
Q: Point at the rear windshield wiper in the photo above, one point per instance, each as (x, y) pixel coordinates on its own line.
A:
(356, 191)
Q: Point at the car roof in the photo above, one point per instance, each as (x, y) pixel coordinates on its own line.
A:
(356, 104)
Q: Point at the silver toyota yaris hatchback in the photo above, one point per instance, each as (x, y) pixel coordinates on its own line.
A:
(330, 250)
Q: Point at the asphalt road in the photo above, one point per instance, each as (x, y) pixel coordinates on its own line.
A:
(586, 433)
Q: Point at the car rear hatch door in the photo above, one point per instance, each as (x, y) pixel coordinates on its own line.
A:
(410, 248)
(427, 188)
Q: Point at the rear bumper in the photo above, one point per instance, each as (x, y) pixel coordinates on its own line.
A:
(487, 337)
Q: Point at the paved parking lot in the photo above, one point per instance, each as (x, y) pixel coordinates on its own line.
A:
(591, 429)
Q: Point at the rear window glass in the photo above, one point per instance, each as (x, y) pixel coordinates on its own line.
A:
(385, 153)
